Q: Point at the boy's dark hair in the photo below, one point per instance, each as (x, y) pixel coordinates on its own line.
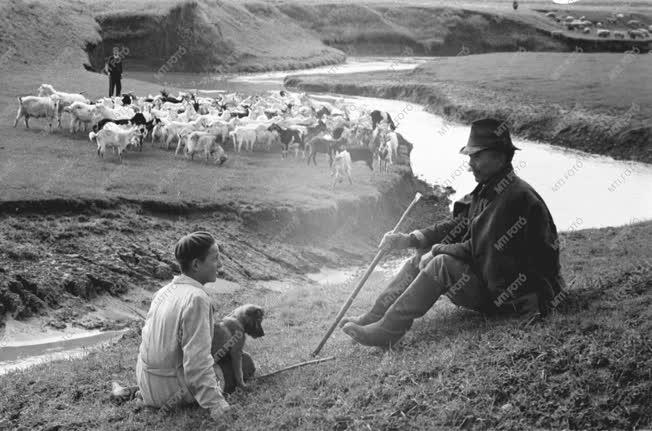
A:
(192, 246)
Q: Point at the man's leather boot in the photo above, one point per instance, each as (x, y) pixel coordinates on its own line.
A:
(417, 299)
(392, 292)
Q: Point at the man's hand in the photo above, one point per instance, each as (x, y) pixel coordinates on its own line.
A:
(394, 241)
(425, 260)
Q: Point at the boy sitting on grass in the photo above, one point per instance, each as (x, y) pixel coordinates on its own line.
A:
(175, 365)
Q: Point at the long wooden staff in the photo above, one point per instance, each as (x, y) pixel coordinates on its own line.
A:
(292, 367)
(370, 269)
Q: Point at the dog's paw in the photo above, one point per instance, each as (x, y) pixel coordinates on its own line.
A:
(244, 388)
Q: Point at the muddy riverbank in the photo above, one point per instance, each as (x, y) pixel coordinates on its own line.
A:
(63, 261)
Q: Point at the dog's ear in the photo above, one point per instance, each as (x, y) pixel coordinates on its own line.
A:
(254, 321)
(254, 311)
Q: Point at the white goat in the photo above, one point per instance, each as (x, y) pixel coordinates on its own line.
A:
(117, 138)
(206, 142)
(82, 114)
(65, 99)
(175, 129)
(341, 167)
(37, 107)
(243, 135)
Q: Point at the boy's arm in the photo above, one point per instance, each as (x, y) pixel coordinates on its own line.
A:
(197, 359)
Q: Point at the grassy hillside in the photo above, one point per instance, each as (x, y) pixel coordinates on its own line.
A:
(441, 27)
(378, 29)
(226, 35)
(211, 35)
(598, 103)
(215, 35)
(585, 367)
(39, 32)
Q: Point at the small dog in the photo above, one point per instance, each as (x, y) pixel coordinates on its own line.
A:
(229, 340)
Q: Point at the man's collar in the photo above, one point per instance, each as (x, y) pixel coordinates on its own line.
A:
(494, 185)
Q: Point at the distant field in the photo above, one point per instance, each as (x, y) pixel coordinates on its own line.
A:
(524, 5)
(605, 83)
(608, 83)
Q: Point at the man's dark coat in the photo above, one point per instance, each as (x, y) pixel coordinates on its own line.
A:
(504, 230)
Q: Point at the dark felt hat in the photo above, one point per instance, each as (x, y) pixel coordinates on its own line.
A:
(488, 134)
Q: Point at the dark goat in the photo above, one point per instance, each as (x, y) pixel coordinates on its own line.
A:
(270, 114)
(138, 119)
(321, 112)
(287, 137)
(127, 99)
(323, 145)
(362, 154)
(315, 130)
(167, 98)
(378, 116)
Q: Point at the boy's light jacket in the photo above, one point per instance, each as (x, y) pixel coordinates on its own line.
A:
(175, 365)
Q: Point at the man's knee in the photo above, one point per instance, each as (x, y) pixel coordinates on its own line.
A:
(439, 262)
(447, 269)
(416, 259)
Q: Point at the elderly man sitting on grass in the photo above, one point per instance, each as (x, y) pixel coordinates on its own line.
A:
(497, 254)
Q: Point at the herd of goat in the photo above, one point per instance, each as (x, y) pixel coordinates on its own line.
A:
(207, 125)
(636, 30)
